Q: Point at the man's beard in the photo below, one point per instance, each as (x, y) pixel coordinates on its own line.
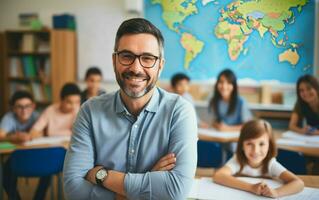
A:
(131, 74)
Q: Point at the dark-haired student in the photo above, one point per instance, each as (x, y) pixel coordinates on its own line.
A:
(229, 110)
(14, 127)
(93, 78)
(17, 123)
(305, 116)
(57, 120)
(180, 85)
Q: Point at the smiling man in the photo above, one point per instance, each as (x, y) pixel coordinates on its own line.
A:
(138, 142)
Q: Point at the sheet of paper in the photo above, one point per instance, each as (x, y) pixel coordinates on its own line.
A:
(218, 134)
(205, 188)
(296, 143)
(48, 140)
(297, 136)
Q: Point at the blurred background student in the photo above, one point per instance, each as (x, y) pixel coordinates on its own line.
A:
(93, 78)
(58, 118)
(16, 123)
(306, 107)
(180, 85)
(229, 111)
(305, 116)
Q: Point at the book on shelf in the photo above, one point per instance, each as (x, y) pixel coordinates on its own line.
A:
(16, 67)
(37, 91)
(15, 86)
(28, 43)
(48, 92)
(29, 67)
(43, 46)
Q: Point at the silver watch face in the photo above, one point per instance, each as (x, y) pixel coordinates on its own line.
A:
(101, 174)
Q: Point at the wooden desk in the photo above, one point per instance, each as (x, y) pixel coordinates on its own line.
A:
(309, 151)
(216, 139)
(7, 152)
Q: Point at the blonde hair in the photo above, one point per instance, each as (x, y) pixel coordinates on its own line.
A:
(251, 130)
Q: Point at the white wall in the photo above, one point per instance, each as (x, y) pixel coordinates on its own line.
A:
(97, 22)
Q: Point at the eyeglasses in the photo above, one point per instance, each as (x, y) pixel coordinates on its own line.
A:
(127, 58)
(23, 107)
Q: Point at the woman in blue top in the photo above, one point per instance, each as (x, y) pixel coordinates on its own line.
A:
(229, 110)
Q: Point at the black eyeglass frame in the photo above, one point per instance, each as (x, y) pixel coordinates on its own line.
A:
(136, 56)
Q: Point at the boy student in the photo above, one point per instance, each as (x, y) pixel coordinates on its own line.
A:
(180, 85)
(58, 118)
(14, 127)
(93, 78)
(16, 123)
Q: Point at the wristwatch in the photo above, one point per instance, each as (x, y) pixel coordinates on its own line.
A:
(100, 176)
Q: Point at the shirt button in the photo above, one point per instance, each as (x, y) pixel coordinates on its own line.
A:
(132, 151)
(135, 126)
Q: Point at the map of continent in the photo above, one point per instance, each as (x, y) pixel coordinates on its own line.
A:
(258, 39)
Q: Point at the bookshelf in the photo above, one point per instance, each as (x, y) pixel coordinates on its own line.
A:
(38, 61)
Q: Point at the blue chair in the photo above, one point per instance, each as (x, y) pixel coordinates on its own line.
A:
(39, 162)
(209, 154)
(293, 161)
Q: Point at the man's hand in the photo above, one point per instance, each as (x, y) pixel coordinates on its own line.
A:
(166, 163)
(90, 176)
(221, 126)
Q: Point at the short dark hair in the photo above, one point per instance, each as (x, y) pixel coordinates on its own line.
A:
(69, 89)
(136, 26)
(177, 78)
(20, 94)
(92, 71)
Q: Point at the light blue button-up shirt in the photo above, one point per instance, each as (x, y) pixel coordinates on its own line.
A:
(105, 133)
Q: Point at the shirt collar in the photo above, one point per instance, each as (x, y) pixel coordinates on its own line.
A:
(152, 105)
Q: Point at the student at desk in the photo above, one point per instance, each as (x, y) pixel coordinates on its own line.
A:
(306, 107)
(16, 123)
(255, 157)
(93, 78)
(57, 119)
(180, 85)
(228, 109)
(14, 128)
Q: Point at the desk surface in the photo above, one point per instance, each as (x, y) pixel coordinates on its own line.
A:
(309, 151)
(310, 181)
(9, 151)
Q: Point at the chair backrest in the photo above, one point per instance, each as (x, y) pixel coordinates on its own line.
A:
(37, 162)
(209, 154)
(293, 161)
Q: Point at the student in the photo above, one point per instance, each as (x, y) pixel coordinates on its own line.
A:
(180, 85)
(16, 123)
(306, 107)
(255, 157)
(14, 128)
(58, 118)
(228, 109)
(93, 78)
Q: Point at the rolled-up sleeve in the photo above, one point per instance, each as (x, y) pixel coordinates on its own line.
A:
(174, 184)
(79, 159)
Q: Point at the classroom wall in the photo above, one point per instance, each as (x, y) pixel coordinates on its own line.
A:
(97, 22)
